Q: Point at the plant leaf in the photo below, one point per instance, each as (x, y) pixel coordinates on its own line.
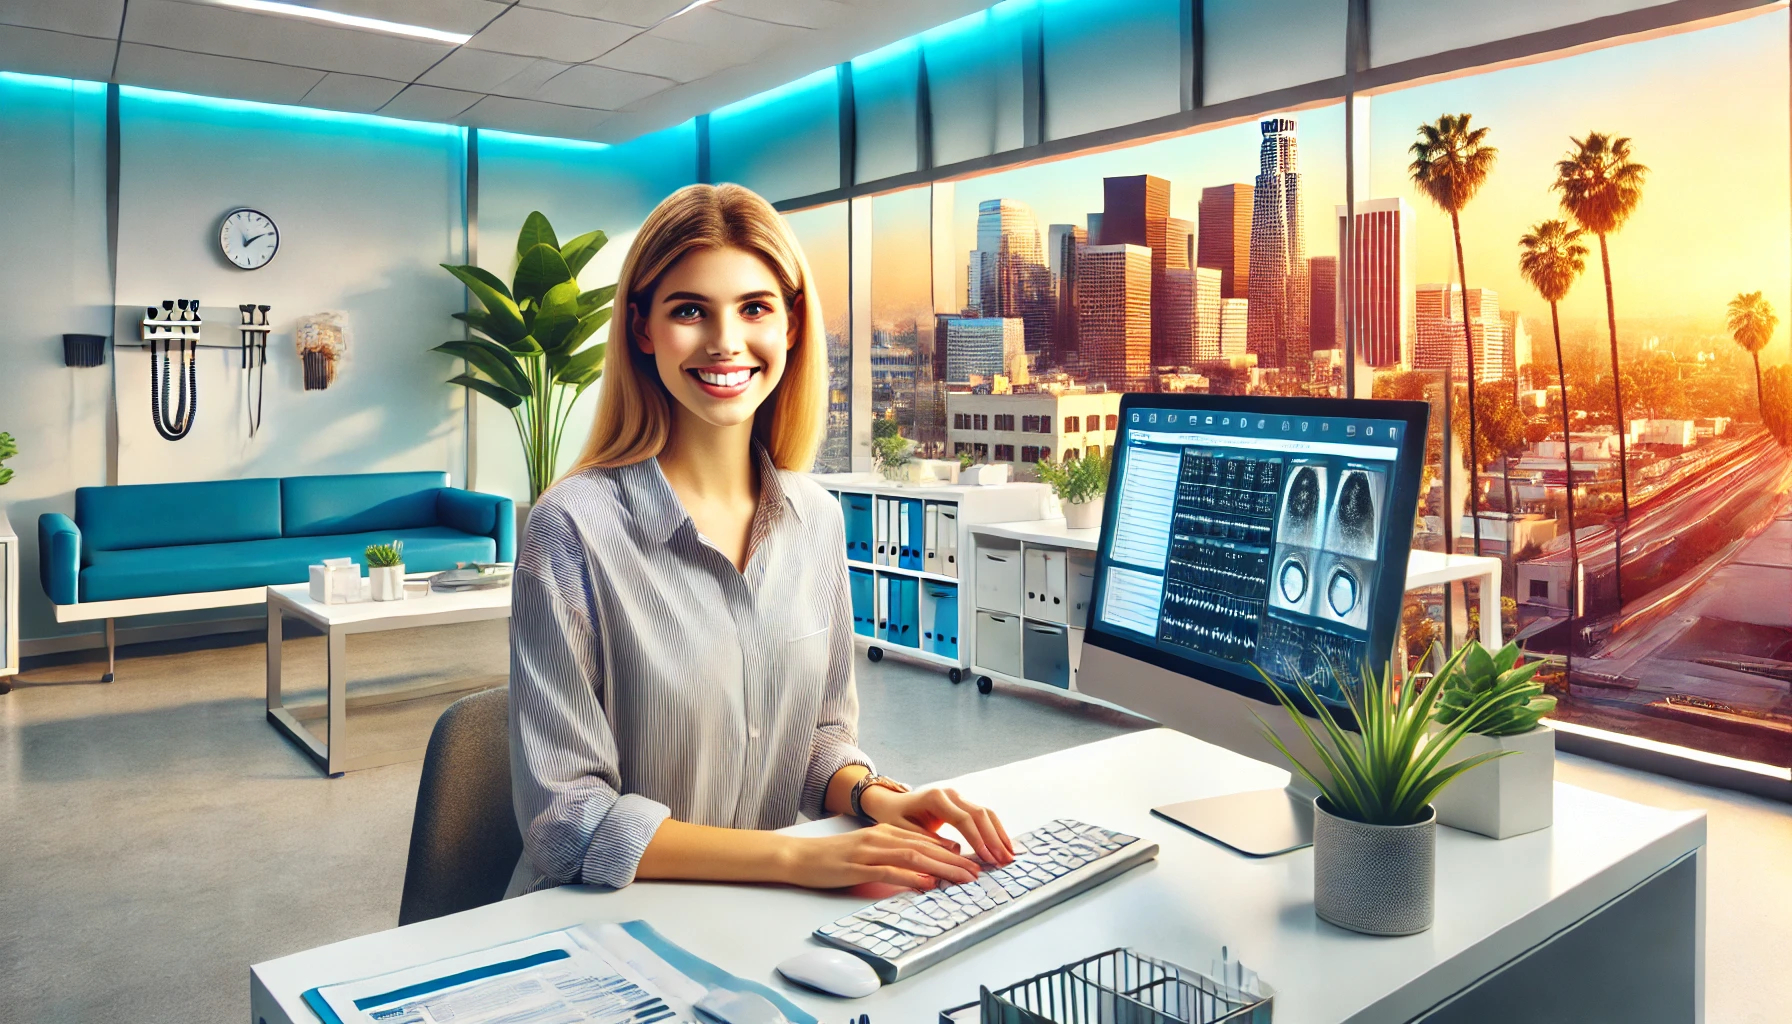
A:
(573, 368)
(558, 317)
(489, 390)
(595, 299)
(503, 320)
(536, 231)
(579, 251)
(493, 360)
(539, 270)
(489, 278)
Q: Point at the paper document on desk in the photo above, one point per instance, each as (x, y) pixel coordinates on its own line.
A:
(588, 974)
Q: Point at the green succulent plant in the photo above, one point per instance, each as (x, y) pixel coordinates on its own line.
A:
(1076, 480)
(384, 556)
(8, 449)
(1513, 702)
(966, 460)
(525, 353)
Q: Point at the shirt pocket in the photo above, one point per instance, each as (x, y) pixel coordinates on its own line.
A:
(806, 658)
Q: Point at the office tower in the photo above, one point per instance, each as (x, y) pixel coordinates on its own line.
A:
(1206, 331)
(1173, 313)
(1518, 342)
(1439, 345)
(1066, 241)
(1095, 229)
(1234, 326)
(1136, 211)
(1180, 241)
(1323, 328)
(1382, 316)
(1007, 274)
(1278, 283)
(1224, 237)
(1114, 314)
(978, 348)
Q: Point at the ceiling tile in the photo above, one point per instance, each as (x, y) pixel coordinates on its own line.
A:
(358, 93)
(36, 52)
(623, 126)
(648, 54)
(640, 13)
(467, 16)
(206, 28)
(427, 103)
(98, 18)
(211, 75)
(526, 83)
(537, 33)
(475, 70)
(802, 13)
(532, 117)
(588, 85)
(742, 38)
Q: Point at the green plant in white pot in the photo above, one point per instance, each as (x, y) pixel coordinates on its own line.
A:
(385, 571)
(1374, 826)
(1081, 485)
(528, 350)
(1516, 795)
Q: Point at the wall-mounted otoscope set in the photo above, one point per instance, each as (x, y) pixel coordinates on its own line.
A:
(173, 411)
(254, 331)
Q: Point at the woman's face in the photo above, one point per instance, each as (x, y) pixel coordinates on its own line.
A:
(718, 332)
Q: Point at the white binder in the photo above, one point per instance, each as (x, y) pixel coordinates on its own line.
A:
(906, 549)
(949, 539)
(1054, 605)
(1080, 578)
(881, 630)
(880, 517)
(930, 541)
(1033, 585)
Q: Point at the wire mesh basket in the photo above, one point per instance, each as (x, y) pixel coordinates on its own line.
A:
(1123, 987)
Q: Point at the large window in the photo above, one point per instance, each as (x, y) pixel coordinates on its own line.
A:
(822, 232)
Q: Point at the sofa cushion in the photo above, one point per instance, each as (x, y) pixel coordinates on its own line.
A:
(159, 515)
(198, 568)
(315, 506)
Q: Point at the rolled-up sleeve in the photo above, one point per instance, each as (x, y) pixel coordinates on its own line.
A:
(836, 731)
(577, 824)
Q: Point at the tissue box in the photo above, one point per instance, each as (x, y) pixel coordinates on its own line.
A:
(336, 581)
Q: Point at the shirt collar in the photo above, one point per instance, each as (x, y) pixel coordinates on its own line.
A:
(660, 514)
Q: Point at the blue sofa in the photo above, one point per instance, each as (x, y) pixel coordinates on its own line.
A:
(145, 548)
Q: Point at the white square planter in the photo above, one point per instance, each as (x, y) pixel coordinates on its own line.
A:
(1509, 795)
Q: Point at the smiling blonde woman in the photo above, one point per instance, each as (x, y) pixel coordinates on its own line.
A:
(681, 633)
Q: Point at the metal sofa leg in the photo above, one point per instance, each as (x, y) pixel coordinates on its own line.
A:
(111, 651)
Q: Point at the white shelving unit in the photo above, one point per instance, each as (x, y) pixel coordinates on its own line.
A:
(9, 603)
(886, 621)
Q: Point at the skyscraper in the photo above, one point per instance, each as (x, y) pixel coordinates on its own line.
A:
(1007, 275)
(1067, 241)
(1114, 314)
(1206, 332)
(1278, 283)
(1173, 313)
(1234, 323)
(1518, 342)
(1323, 328)
(1136, 211)
(1439, 344)
(981, 347)
(1224, 237)
(1382, 318)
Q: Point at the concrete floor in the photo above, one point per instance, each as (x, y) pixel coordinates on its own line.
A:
(159, 836)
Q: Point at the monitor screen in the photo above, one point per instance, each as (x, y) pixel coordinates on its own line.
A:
(1268, 532)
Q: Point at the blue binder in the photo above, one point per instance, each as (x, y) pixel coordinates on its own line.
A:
(914, 531)
(943, 639)
(908, 612)
(857, 510)
(864, 602)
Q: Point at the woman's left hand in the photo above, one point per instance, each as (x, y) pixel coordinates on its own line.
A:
(926, 810)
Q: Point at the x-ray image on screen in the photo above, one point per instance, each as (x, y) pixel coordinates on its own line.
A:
(1292, 575)
(1353, 526)
(1341, 590)
(1302, 520)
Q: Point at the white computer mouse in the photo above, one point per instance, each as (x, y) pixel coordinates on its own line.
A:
(833, 971)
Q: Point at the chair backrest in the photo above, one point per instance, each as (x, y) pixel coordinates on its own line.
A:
(319, 506)
(464, 839)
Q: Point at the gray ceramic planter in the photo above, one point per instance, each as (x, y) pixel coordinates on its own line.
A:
(1374, 879)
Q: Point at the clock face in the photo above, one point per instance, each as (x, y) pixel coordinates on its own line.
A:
(248, 238)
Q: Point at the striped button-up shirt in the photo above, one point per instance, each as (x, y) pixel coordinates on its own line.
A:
(651, 678)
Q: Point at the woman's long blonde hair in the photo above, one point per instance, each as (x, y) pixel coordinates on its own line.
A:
(634, 412)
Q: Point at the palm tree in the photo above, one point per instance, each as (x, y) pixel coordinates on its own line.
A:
(1600, 188)
(1751, 322)
(1450, 163)
(1550, 259)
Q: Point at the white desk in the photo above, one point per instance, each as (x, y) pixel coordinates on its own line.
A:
(1497, 902)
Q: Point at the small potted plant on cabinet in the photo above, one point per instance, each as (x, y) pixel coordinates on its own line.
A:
(1516, 795)
(1081, 484)
(1374, 825)
(385, 571)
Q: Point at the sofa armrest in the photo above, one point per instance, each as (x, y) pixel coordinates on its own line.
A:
(59, 557)
(485, 515)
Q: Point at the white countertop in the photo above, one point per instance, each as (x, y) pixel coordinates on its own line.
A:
(421, 605)
(1494, 900)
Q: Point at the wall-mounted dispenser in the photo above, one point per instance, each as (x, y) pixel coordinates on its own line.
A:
(83, 350)
(253, 330)
(322, 345)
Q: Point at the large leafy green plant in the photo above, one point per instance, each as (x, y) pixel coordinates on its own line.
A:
(1081, 479)
(1513, 701)
(8, 449)
(528, 350)
(1390, 769)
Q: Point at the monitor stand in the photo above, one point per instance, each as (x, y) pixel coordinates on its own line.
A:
(1260, 823)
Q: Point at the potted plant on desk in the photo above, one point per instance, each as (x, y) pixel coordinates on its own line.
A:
(1081, 484)
(1517, 795)
(385, 571)
(1374, 826)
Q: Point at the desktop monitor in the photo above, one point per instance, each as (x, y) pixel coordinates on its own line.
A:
(1246, 532)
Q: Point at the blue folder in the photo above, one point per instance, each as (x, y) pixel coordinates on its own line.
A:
(864, 602)
(943, 640)
(909, 614)
(915, 531)
(857, 510)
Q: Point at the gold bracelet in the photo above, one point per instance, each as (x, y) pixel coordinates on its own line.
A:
(864, 783)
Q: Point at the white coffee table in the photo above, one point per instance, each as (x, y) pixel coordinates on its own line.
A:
(336, 622)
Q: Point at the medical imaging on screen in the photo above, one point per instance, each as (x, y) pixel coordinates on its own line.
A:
(1275, 530)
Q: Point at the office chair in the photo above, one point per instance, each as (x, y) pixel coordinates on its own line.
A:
(464, 839)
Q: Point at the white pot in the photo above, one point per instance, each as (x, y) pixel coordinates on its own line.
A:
(386, 582)
(1509, 795)
(1374, 879)
(984, 475)
(1084, 515)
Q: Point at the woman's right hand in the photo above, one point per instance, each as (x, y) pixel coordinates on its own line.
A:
(879, 853)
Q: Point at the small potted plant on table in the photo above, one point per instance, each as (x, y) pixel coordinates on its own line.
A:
(1081, 484)
(385, 571)
(1517, 795)
(1374, 826)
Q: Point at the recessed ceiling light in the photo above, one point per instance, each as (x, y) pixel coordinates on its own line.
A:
(350, 20)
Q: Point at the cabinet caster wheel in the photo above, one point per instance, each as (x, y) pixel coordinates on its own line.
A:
(875, 653)
(985, 684)
(955, 674)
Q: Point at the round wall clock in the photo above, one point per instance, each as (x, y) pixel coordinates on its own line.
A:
(248, 238)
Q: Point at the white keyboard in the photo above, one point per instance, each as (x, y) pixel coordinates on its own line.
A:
(912, 931)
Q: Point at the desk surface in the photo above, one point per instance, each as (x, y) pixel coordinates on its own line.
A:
(1494, 900)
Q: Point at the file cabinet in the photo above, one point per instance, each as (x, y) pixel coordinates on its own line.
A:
(1039, 574)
